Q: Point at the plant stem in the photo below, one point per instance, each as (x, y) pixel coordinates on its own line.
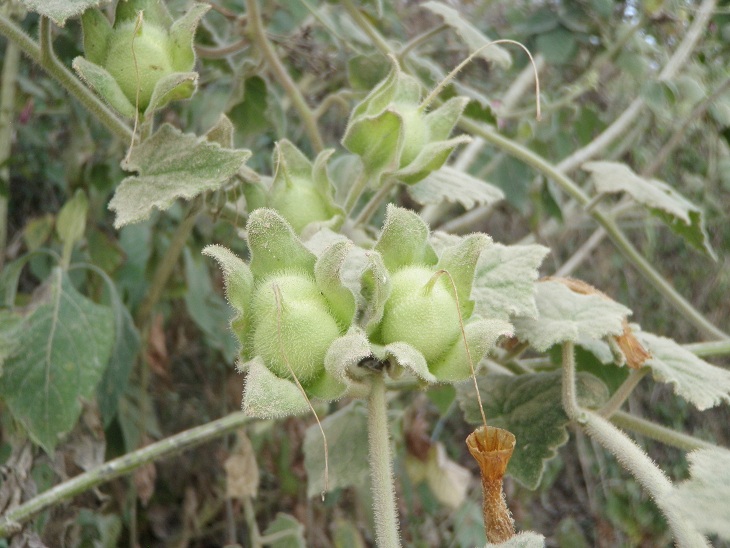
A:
(378, 41)
(66, 78)
(642, 467)
(169, 262)
(119, 467)
(381, 467)
(623, 392)
(416, 41)
(8, 80)
(258, 36)
(630, 456)
(715, 348)
(355, 191)
(659, 433)
(372, 206)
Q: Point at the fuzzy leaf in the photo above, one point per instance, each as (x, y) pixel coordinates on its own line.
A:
(222, 132)
(703, 498)
(441, 122)
(482, 337)
(691, 377)
(404, 240)
(274, 245)
(473, 37)
(403, 355)
(71, 220)
(347, 439)
(431, 157)
(96, 30)
(266, 396)
(327, 275)
(343, 357)
(376, 287)
(103, 83)
(564, 315)
(682, 216)
(173, 87)
(61, 10)
(63, 349)
(376, 139)
(526, 539)
(171, 165)
(10, 323)
(450, 185)
(182, 33)
(530, 407)
(504, 281)
(460, 262)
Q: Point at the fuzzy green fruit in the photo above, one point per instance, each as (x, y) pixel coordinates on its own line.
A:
(415, 133)
(153, 60)
(427, 320)
(306, 333)
(300, 204)
(293, 287)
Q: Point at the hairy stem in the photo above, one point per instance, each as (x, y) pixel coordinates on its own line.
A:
(66, 78)
(715, 348)
(169, 261)
(372, 206)
(381, 467)
(356, 190)
(378, 41)
(119, 467)
(8, 80)
(258, 36)
(623, 392)
(659, 433)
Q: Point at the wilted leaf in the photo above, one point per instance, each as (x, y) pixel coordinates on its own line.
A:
(60, 10)
(347, 441)
(472, 36)
(530, 407)
(242, 471)
(171, 165)
(691, 377)
(504, 281)
(451, 185)
(703, 498)
(564, 315)
(682, 216)
(63, 349)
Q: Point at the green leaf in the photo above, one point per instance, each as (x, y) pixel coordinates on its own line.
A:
(460, 262)
(526, 539)
(64, 348)
(365, 71)
(250, 111)
(327, 275)
(173, 87)
(208, 310)
(473, 37)
(376, 287)
(564, 315)
(504, 281)
(376, 139)
(469, 524)
(347, 440)
(682, 216)
(403, 355)
(692, 378)
(171, 165)
(451, 185)
(103, 83)
(222, 132)
(182, 33)
(61, 10)
(404, 240)
(96, 30)
(703, 498)
(10, 322)
(558, 46)
(71, 221)
(530, 407)
(274, 245)
(289, 532)
(266, 396)
(431, 157)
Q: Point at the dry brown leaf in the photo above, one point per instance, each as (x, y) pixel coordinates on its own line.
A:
(242, 471)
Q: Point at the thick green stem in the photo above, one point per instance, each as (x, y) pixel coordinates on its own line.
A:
(357, 188)
(168, 262)
(66, 78)
(372, 206)
(630, 456)
(381, 467)
(705, 349)
(119, 467)
(659, 433)
(9, 77)
(258, 35)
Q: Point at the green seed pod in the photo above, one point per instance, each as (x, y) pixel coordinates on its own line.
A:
(421, 314)
(301, 204)
(293, 287)
(303, 332)
(150, 59)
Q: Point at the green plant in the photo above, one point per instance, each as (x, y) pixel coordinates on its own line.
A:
(347, 269)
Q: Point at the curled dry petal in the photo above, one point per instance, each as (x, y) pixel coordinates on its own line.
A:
(492, 448)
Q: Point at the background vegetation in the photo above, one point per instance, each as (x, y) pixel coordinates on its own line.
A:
(623, 81)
